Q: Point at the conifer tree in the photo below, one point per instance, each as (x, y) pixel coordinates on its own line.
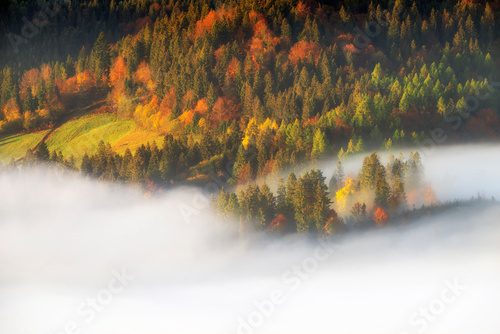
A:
(488, 25)
(319, 144)
(99, 57)
(41, 152)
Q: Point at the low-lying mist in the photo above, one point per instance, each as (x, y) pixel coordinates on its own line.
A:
(80, 256)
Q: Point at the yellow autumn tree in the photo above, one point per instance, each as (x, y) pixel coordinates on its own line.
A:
(342, 196)
(251, 132)
(186, 117)
(268, 124)
(11, 110)
(144, 113)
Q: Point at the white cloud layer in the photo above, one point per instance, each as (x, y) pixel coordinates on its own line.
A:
(77, 256)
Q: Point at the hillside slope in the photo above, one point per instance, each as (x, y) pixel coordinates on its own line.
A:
(261, 85)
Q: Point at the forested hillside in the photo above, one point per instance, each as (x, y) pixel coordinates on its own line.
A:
(244, 88)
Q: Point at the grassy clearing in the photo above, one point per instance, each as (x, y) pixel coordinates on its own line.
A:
(82, 135)
(15, 146)
(136, 138)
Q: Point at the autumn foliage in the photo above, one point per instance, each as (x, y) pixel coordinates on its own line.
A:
(201, 106)
(206, 24)
(84, 80)
(11, 110)
(118, 71)
(168, 103)
(146, 114)
(278, 223)
(304, 51)
(302, 9)
(263, 41)
(380, 216)
(187, 117)
(342, 196)
(224, 109)
(29, 83)
(233, 68)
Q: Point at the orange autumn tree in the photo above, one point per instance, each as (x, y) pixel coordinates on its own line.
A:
(302, 9)
(84, 80)
(304, 51)
(224, 109)
(220, 53)
(380, 216)
(233, 69)
(118, 71)
(117, 76)
(168, 103)
(263, 42)
(143, 75)
(201, 106)
(11, 110)
(187, 117)
(207, 23)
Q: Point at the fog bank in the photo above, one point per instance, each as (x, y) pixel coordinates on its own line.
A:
(79, 256)
(455, 172)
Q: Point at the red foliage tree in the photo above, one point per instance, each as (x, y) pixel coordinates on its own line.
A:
(118, 72)
(263, 42)
(168, 103)
(380, 216)
(302, 9)
(233, 68)
(206, 24)
(278, 223)
(224, 109)
(304, 51)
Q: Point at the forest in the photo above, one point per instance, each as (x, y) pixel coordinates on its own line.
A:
(241, 89)
(309, 203)
(249, 166)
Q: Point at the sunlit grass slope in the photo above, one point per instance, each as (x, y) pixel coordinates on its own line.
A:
(82, 135)
(15, 146)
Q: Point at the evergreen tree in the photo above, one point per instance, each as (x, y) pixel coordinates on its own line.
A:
(488, 25)
(268, 205)
(41, 152)
(345, 17)
(371, 166)
(99, 57)
(319, 144)
(382, 190)
(283, 205)
(86, 166)
(337, 178)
